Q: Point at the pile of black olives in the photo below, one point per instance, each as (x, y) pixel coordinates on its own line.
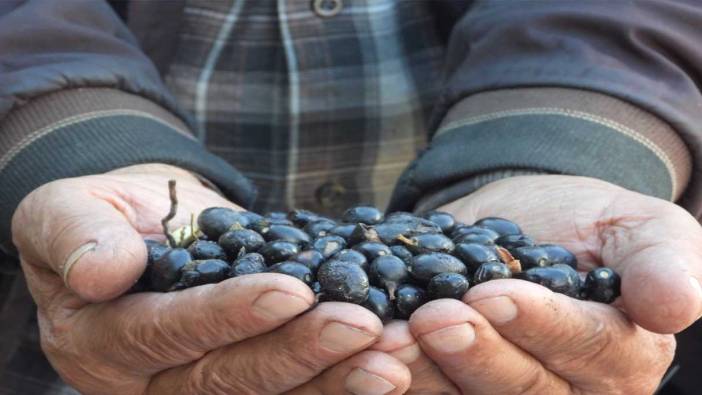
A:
(390, 264)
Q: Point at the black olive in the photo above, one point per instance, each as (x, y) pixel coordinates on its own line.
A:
(531, 257)
(426, 266)
(208, 271)
(216, 220)
(428, 242)
(166, 271)
(204, 249)
(352, 256)
(294, 269)
(387, 272)
(380, 304)
(234, 241)
(343, 230)
(491, 271)
(474, 255)
(511, 242)
(372, 249)
(447, 285)
(251, 263)
(602, 285)
(557, 254)
(343, 281)
(329, 245)
(364, 214)
(408, 298)
(500, 225)
(300, 217)
(403, 253)
(310, 258)
(319, 228)
(445, 220)
(287, 233)
(558, 278)
(277, 251)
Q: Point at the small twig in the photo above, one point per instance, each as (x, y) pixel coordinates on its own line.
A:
(513, 264)
(171, 213)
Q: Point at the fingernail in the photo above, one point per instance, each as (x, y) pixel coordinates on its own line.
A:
(361, 382)
(344, 338)
(407, 354)
(498, 310)
(277, 305)
(451, 339)
(73, 258)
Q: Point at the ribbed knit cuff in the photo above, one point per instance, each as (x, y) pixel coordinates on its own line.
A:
(90, 131)
(497, 134)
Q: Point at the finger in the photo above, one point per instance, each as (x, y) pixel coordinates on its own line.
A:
(366, 373)
(659, 258)
(427, 378)
(474, 356)
(87, 241)
(278, 361)
(156, 331)
(576, 340)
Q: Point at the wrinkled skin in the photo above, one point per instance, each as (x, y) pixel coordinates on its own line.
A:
(511, 336)
(248, 335)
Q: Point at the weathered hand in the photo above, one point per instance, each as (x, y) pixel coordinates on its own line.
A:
(511, 336)
(250, 334)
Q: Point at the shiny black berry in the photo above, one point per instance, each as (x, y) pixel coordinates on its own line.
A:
(251, 263)
(558, 278)
(602, 285)
(276, 215)
(380, 304)
(216, 220)
(166, 271)
(251, 216)
(372, 249)
(474, 255)
(343, 281)
(428, 242)
(353, 256)
(294, 269)
(491, 271)
(329, 245)
(155, 250)
(389, 231)
(408, 298)
(208, 271)
(445, 220)
(474, 234)
(287, 233)
(447, 285)
(511, 242)
(343, 230)
(403, 253)
(203, 249)
(557, 254)
(368, 215)
(278, 251)
(426, 266)
(300, 217)
(387, 272)
(319, 228)
(531, 257)
(234, 241)
(310, 258)
(500, 225)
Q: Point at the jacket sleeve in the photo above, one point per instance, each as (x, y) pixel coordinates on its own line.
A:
(600, 89)
(78, 97)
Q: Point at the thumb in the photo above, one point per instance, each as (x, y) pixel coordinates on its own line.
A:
(86, 240)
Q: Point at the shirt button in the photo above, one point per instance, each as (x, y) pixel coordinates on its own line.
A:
(327, 8)
(329, 194)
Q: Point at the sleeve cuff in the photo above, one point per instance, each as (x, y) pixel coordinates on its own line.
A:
(90, 131)
(545, 131)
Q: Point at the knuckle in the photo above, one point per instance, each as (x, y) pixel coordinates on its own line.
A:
(225, 380)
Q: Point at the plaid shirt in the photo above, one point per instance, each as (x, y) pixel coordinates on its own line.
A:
(319, 115)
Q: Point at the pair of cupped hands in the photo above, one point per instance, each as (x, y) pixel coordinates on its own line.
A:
(81, 247)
